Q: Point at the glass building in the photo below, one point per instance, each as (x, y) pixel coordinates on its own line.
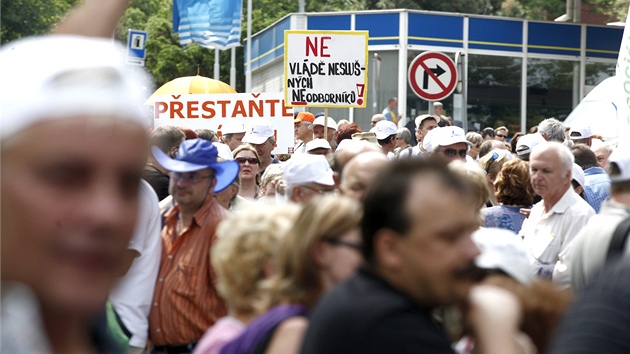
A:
(513, 72)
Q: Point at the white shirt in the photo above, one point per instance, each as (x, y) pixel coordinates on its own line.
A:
(547, 236)
(132, 296)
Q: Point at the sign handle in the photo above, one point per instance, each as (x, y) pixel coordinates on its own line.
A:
(326, 122)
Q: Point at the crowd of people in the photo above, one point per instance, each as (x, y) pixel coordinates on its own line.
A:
(121, 239)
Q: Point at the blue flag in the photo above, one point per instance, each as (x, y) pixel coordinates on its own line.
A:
(209, 23)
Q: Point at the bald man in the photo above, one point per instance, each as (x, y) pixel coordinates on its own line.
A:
(360, 173)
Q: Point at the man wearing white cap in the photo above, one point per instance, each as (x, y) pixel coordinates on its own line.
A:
(386, 132)
(526, 144)
(447, 144)
(553, 222)
(424, 124)
(73, 146)
(260, 135)
(185, 301)
(318, 130)
(581, 135)
(306, 176)
(318, 147)
(588, 253)
(232, 133)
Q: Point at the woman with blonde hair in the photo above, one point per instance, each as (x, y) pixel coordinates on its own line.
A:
(321, 249)
(513, 192)
(242, 259)
(249, 162)
(491, 163)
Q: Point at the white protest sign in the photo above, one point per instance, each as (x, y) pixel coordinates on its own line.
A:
(325, 68)
(213, 110)
(623, 73)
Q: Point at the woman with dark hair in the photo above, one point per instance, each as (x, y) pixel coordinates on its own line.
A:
(513, 192)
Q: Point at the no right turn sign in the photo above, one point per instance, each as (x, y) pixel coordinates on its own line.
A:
(432, 76)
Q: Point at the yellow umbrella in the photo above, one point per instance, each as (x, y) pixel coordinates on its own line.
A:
(191, 84)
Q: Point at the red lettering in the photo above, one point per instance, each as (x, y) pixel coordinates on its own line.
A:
(322, 46)
(176, 108)
(193, 107)
(239, 109)
(159, 107)
(223, 105)
(207, 107)
(286, 111)
(256, 106)
(310, 45)
(272, 106)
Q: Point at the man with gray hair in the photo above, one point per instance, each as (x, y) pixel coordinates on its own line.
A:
(167, 138)
(553, 222)
(552, 130)
(306, 176)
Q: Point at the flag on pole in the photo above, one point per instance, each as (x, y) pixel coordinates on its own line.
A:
(623, 73)
(209, 23)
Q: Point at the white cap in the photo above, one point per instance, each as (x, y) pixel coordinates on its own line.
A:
(446, 136)
(224, 151)
(422, 118)
(258, 131)
(320, 121)
(318, 144)
(53, 77)
(528, 141)
(620, 158)
(385, 128)
(577, 173)
(232, 126)
(307, 168)
(580, 132)
(502, 249)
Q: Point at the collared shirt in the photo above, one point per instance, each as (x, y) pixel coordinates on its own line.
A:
(185, 302)
(548, 235)
(596, 186)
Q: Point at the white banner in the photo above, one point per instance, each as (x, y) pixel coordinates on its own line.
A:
(212, 111)
(326, 68)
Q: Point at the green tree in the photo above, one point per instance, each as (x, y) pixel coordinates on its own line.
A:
(21, 18)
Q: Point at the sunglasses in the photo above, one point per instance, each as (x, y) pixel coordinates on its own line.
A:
(453, 152)
(251, 160)
(502, 136)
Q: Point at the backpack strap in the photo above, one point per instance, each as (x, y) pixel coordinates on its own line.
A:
(618, 241)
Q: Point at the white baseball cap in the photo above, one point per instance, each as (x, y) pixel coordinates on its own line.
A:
(577, 173)
(223, 151)
(580, 132)
(385, 128)
(445, 136)
(320, 121)
(54, 77)
(422, 118)
(258, 131)
(307, 168)
(526, 143)
(502, 249)
(318, 144)
(232, 126)
(620, 158)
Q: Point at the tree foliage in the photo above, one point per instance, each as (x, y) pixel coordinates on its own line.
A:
(21, 18)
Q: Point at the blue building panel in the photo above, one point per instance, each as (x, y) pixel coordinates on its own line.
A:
(329, 23)
(436, 30)
(491, 34)
(603, 42)
(269, 44)
(383, 28)
(553, 38)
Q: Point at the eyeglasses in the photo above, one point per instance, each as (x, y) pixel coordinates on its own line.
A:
(191, 178)
(453, 152)
(374, 123)
(494, 157)
(319, 191)
(502, 136)
(338, 242)
(251, 160)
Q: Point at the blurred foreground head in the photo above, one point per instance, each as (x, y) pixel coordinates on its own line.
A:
(73, 145)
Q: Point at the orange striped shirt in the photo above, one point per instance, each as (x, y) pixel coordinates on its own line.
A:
(185, 302)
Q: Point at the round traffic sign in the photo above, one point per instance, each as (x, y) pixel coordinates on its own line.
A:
(432, 76)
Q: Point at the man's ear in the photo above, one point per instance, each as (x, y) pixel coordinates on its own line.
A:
(387, 249)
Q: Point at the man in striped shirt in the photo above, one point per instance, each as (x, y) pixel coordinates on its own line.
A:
(185, 302)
